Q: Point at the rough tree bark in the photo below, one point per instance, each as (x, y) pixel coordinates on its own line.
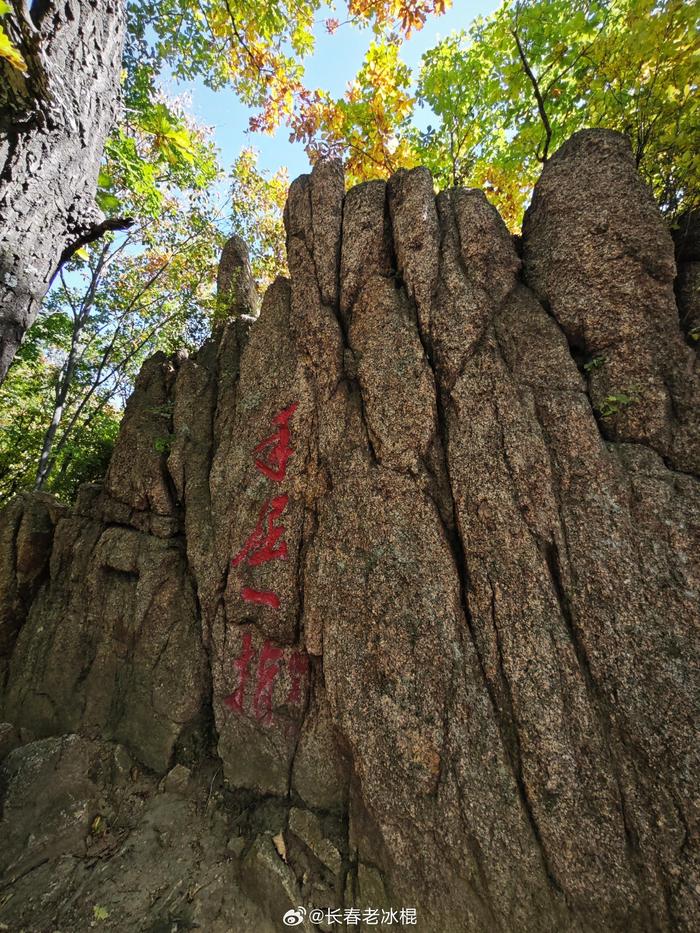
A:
(53, 124)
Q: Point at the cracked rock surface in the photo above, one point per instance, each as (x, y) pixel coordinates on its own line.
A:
(393, 575)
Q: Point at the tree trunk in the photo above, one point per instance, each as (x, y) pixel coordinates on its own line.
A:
(65, 377)
(53, 126)
(62, 387)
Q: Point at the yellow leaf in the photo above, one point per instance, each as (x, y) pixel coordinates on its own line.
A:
(10, 53)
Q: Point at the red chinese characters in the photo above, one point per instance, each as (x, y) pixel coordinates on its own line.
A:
(262, 545)
(279, 452)
(268, 668)
(266, 541)
(235, 700)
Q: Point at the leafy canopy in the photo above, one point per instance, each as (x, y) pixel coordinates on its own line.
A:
(505, 93)
(255, 46)
(130, 295)
(370, 125)
(489, 105)
(533, 73)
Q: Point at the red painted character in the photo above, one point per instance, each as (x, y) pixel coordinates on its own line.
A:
(263, 545)
(265, 541)
(274, 466)
(235, 700)
(268, 669)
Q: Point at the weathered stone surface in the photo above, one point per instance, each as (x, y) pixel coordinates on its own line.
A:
(263, 393)
(394, 377)
(271, 882)
(307, 827)
(235, 285)
(326, 189)
(9, 739)
(320, 771)
(260, 696)
(428, 607)
(366, 241)
(597, 251)
(236, 845)
(313, 227)
(79, 833)
(177, 780)
(686, 237)
(26, 535)
(111, 645)
(137, 488)
(49, 801)
(416, 237)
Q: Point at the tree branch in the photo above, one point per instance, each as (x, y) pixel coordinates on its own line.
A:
(94, 233)
(538, 96)
(234, 27)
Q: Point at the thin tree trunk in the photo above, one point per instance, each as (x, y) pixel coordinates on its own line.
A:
(53, 126)
(59, 405)
(81, 316)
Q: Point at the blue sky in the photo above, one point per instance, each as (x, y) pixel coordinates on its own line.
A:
(334, 63)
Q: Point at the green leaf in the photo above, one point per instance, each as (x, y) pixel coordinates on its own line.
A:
(104, 179)
(107, 202)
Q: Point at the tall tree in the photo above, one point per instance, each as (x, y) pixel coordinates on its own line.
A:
(114, 303)
(58, 101)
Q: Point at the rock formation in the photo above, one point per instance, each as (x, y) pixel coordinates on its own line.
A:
(389, 598)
